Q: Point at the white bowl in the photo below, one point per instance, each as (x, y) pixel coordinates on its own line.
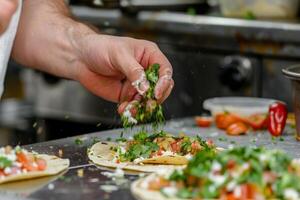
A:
(242, 106)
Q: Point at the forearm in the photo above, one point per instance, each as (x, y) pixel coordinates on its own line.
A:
(47, 36)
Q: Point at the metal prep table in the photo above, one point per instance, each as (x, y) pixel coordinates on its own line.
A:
(69, 185)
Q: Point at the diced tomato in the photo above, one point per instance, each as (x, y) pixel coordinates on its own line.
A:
(231, 164)
(41, 164)
(30, 166)
(237, 128)
(22, 158)
(247, 191)
(195, 146)
(224, 120)
(175, 146)
(159, 153)
(203, 121)
(191, 180)
(27, 161)
(230, 196)
(2, 172)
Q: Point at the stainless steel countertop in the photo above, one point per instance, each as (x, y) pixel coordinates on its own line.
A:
(70, 186)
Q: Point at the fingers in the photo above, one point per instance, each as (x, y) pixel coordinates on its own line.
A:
(7, 9)
(105, 87)
(122, 107)
(128, 92)
(135, 74)
(154, 55)
(166, 93)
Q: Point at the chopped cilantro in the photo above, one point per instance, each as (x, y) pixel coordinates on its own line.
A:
(255, 162)
(108, 139)
(78, 141)
(95, 140)
(5, 162)
(144, 115)
(140, 150)
(65, 179)
(222, 139)
(121, 140)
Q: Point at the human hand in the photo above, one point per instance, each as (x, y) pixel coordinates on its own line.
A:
(7, 9)
(114, 68)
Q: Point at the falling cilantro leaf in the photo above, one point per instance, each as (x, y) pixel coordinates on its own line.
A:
(78, 141)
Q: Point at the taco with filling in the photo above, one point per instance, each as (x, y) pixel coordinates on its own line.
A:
(236, 174)
(18, 164)
(148, 152)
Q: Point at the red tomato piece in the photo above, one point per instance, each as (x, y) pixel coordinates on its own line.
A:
(175, 147)
(41, 164)
(22, 158)
(238, 128)
(203, 121)
(224, 120)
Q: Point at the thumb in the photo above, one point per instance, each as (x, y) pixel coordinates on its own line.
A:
(135, 73)
(7, 9)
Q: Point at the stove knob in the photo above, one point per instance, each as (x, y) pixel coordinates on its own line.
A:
(236, 72)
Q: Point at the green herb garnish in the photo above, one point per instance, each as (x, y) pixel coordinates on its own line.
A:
(78, 141)
(148, 111)
(5, 162)
(252, 164)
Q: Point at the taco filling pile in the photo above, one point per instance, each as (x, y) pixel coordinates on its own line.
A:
(148, 152)
(236, 174)
(18, 161)
(160, 144)
(19, 164)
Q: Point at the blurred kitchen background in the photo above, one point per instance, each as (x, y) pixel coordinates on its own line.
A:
(216, 47)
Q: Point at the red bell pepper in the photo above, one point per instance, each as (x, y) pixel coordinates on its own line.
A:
(277, 118)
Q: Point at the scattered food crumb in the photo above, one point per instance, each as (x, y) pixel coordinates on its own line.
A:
(51, 186)
(214, 134)
(118, 173)
(34, 124)
(78, 141)
(93, 180)
(60, 152)
(80, 173)
(254, 140)
(109, 188)
(106, 196)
